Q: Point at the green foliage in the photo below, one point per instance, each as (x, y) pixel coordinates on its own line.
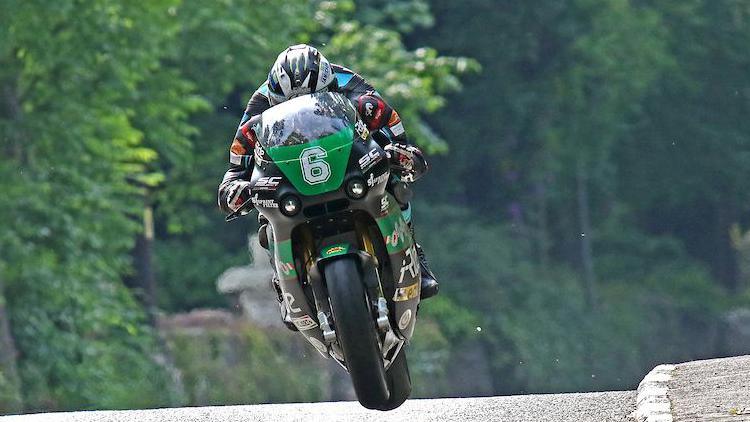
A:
(402, 16)
(9, 396)
(184, 287)
(109, 104)
(241, 364)
(600, 112)
(534, 319)
(74, 79)
(412, 81)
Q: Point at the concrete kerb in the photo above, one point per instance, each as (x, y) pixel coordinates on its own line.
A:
(652, 402)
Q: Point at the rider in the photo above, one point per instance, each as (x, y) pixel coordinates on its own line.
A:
(299, 70)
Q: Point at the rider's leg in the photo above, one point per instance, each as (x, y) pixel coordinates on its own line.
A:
(429, 284)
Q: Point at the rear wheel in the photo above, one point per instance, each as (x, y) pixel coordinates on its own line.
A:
(356, 332)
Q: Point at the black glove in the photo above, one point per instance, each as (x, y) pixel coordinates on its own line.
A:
(239, 192)
(406, 160)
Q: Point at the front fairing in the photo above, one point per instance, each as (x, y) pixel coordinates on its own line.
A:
(310, 138)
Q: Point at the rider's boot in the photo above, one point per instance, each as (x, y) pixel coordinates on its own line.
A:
(263, 240)
(429, 287)
(429, 284)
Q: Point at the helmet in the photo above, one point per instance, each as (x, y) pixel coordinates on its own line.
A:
(299, 70)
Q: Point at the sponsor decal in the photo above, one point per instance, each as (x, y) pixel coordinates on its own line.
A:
(384, 204)
(397, 129)
(325, 72)
(335, 249)
(372, 180)
(286, 268)
(249, 134)
(370, 159)
(264, 203)
(259, 154)
(403, 322)
(371, 108)
(235, 159)
(268, 183)
(411, 267)
(304, 322)
(289, 299)
(406, 293)
(399, 233)
(395, 118)
(392, 239)
(361, 129)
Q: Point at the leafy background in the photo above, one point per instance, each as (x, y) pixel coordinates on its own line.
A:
(586, 210)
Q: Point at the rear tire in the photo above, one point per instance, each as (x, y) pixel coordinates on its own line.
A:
(356, 332)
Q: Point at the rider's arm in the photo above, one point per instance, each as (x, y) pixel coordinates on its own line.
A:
(241, 155)
(380, 116)
(389, 132)
(239, 172)
(383, 122)
(373, 109)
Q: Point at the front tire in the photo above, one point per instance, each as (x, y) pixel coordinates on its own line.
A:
(356, 332)
(399, 382)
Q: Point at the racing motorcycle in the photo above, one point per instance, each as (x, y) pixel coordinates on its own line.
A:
(345, 258)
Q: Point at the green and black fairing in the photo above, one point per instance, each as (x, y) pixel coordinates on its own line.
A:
(312, 148)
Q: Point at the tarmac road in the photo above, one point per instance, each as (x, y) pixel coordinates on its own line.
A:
(716, 390)
(584, 407)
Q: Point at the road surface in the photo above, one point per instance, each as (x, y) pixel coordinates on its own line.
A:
(710, 390)
(587, 407)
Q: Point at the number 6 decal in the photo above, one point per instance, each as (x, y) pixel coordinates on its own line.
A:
(315, 169)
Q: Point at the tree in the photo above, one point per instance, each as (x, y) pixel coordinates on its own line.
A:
(74, 150)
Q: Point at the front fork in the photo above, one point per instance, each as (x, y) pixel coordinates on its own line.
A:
(312, 317)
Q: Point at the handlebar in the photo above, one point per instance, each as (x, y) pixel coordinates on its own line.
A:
(242, 211)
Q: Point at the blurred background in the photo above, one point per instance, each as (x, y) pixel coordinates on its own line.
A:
(587, 210)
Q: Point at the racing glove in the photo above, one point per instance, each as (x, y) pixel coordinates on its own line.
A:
(406, 160)
(238, 193)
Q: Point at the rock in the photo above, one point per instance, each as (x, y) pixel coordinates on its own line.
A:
(251, 284)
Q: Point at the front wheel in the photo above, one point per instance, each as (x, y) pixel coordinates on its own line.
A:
(356, 332)
(399, 382)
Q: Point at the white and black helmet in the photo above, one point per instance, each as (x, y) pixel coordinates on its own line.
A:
(299, 70)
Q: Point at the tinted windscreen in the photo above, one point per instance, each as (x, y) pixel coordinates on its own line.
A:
(305, 119)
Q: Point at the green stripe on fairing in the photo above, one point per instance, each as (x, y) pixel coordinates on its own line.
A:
(338, 146)
(284, 260)
(393, 225)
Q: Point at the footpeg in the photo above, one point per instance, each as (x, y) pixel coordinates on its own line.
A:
(329, 335)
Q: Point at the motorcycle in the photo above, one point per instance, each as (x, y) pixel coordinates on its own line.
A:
(345, 259)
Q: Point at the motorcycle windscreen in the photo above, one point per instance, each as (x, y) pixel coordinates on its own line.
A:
(310, 138)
